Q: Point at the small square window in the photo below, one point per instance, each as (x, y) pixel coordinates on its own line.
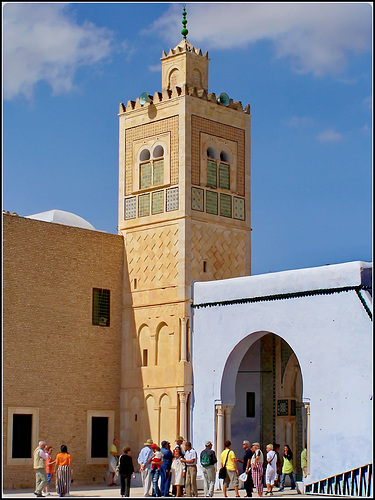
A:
(101, 307)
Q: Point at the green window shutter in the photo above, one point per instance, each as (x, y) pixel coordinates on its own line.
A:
(145, 175)
(211, 202)
(225, 205)
(211, 174)
(144, 205)
(158, 173)
(224, 176)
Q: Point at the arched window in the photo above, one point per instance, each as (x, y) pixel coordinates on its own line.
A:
(173, 78)
(224, 156)
(218, 171)
(151, 168)
(158, 151)
(144, 155)
(211, 153)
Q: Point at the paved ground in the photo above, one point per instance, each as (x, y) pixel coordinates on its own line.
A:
(135, 492)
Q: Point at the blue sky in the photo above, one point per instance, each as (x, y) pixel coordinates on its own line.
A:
(305, 69)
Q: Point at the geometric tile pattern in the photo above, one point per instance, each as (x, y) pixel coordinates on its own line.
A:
(225, 205)
(239, 208)
(224, 250)
(197, 199)
(172, 199)
(157, 202)
(211, 202)
(202, 125)
(144, 205)
(144, 250)
(130, 208)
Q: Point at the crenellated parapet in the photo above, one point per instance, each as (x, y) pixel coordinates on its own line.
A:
(184, 90)
(184, 46)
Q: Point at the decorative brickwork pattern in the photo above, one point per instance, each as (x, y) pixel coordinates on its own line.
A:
(150, 130)
(144, 250)
(199, 125)
(223, 249)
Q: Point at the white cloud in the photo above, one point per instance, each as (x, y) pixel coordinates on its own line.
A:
(316, 37)
(40, 42)
(155, 68)
(329, 135)
(300, 121)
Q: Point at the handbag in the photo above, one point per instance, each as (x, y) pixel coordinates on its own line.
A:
(223, 470)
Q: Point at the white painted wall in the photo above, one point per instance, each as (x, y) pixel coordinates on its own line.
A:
(331, 336)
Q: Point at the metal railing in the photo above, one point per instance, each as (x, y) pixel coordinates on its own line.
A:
(355, 483)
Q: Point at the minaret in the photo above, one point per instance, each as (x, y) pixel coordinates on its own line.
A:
(184, 212)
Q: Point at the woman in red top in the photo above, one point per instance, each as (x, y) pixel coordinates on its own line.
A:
(63, 471)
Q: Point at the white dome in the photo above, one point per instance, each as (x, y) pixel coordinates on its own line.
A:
(61, 217)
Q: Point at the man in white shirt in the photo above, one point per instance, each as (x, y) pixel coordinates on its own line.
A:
(190, 459)
(144, 460)
(271, 468)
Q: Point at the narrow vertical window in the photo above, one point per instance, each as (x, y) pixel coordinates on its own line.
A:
(204, 266)
(101, 307)
(250, 404)
(145, 357)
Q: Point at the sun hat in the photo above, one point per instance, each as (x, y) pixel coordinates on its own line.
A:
(149, 442)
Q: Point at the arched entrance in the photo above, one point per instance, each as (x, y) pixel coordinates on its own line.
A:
(262, 396)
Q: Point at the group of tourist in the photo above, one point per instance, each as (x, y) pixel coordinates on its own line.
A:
(45, 468)
(162, 467)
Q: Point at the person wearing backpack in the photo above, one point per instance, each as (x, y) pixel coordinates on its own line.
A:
(208, 460)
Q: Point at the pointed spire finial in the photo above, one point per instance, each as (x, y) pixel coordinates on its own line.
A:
(184, 30)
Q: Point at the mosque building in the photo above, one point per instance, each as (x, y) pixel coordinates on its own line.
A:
(161, 330)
